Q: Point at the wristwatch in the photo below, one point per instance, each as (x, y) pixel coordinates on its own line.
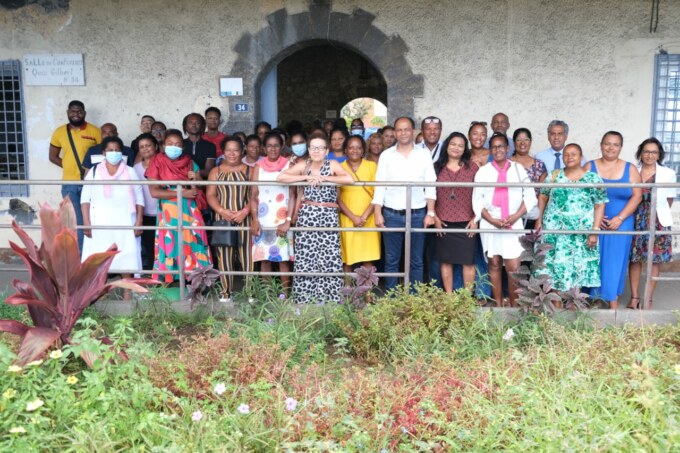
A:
(289, 218)
(431, 213)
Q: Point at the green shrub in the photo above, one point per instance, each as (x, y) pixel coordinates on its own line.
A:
(405, 324)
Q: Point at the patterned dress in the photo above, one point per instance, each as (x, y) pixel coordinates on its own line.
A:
(194, 242)
(233, 198)
(663, 243)
(317, 251)
(571, 262)
(272, 211)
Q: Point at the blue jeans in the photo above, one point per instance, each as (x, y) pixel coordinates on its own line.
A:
(73, 191)
(394, 243)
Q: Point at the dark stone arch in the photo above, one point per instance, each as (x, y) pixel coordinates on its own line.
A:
(286, 34)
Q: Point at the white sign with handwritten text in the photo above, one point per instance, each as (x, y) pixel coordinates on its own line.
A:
(54, 69)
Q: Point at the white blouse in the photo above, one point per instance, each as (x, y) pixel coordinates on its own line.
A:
(482, 197)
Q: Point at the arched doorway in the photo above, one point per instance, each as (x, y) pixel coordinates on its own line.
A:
(259, 55)
(314, 83)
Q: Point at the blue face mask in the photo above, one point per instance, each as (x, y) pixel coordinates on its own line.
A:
(114, 157)
(359, 132)
(173, 152)
(299, 149)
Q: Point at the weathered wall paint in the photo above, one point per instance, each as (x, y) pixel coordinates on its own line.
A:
(588, 63)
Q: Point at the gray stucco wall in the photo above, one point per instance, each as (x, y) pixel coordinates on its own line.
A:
(589, 63)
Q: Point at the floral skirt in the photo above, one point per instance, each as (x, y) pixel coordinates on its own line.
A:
(663, 243)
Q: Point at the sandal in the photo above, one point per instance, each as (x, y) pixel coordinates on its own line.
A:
(633, 306)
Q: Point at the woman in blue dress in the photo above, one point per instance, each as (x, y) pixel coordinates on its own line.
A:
(618, 216)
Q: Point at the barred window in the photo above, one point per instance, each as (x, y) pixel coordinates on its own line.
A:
(666, 108)
(12, 138)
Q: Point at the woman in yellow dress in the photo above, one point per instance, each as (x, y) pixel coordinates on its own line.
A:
(356, 209)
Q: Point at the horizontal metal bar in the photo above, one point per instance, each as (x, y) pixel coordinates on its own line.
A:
(356, 183)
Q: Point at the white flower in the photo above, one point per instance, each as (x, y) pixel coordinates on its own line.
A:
(34, 405)
(244, 409)
(220, 388)
(197, 416)
(56, 354)
(507, 336)
(291, 404)
(17, 430)
(14, 369)
(35, 363)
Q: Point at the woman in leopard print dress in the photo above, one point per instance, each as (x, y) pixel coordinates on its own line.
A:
(317, 251)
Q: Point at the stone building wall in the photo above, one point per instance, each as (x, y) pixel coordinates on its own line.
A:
(588, 63)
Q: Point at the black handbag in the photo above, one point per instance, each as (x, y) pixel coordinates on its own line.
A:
(225, 238)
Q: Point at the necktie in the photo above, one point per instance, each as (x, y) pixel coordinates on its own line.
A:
(558, 162)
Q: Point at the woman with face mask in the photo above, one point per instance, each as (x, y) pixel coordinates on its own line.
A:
(148, 148)
(173, 165)
(119, 205)
(356, 209)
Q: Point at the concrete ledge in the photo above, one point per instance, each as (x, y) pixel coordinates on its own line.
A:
(599, 318)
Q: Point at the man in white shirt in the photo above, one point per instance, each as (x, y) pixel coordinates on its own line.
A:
(404, 162)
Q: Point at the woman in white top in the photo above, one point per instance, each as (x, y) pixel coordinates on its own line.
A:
(113, 205)
(650, 155)
(148, 148)
(498, 208)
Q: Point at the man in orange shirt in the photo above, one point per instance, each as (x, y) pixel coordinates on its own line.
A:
(68, 146)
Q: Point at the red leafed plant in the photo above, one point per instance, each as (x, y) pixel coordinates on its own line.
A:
(61, 286)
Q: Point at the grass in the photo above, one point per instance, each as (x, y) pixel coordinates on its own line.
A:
(281, 378)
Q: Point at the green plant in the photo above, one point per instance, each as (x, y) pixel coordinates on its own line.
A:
(402, 323)
(61, 286)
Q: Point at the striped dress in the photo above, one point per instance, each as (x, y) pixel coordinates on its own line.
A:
(233, 198)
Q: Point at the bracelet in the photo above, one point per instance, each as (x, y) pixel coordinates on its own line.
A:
(620, 218)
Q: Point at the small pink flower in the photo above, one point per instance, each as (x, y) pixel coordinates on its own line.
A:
(244, 409)
(197, 416)
(291, 404)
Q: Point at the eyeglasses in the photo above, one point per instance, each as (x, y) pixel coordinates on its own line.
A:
(650, 152)
(475, 123)
(317, 148)
(432, 120)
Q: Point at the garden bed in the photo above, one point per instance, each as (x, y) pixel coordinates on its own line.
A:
(382, 378)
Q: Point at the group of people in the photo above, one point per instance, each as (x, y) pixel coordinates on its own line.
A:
(258, 217)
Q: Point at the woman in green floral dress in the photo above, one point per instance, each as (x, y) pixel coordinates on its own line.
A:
(574, 260)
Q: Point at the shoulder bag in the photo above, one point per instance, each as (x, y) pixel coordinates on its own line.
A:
(75, 153)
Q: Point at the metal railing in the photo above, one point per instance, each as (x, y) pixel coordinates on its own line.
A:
(407, 229)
